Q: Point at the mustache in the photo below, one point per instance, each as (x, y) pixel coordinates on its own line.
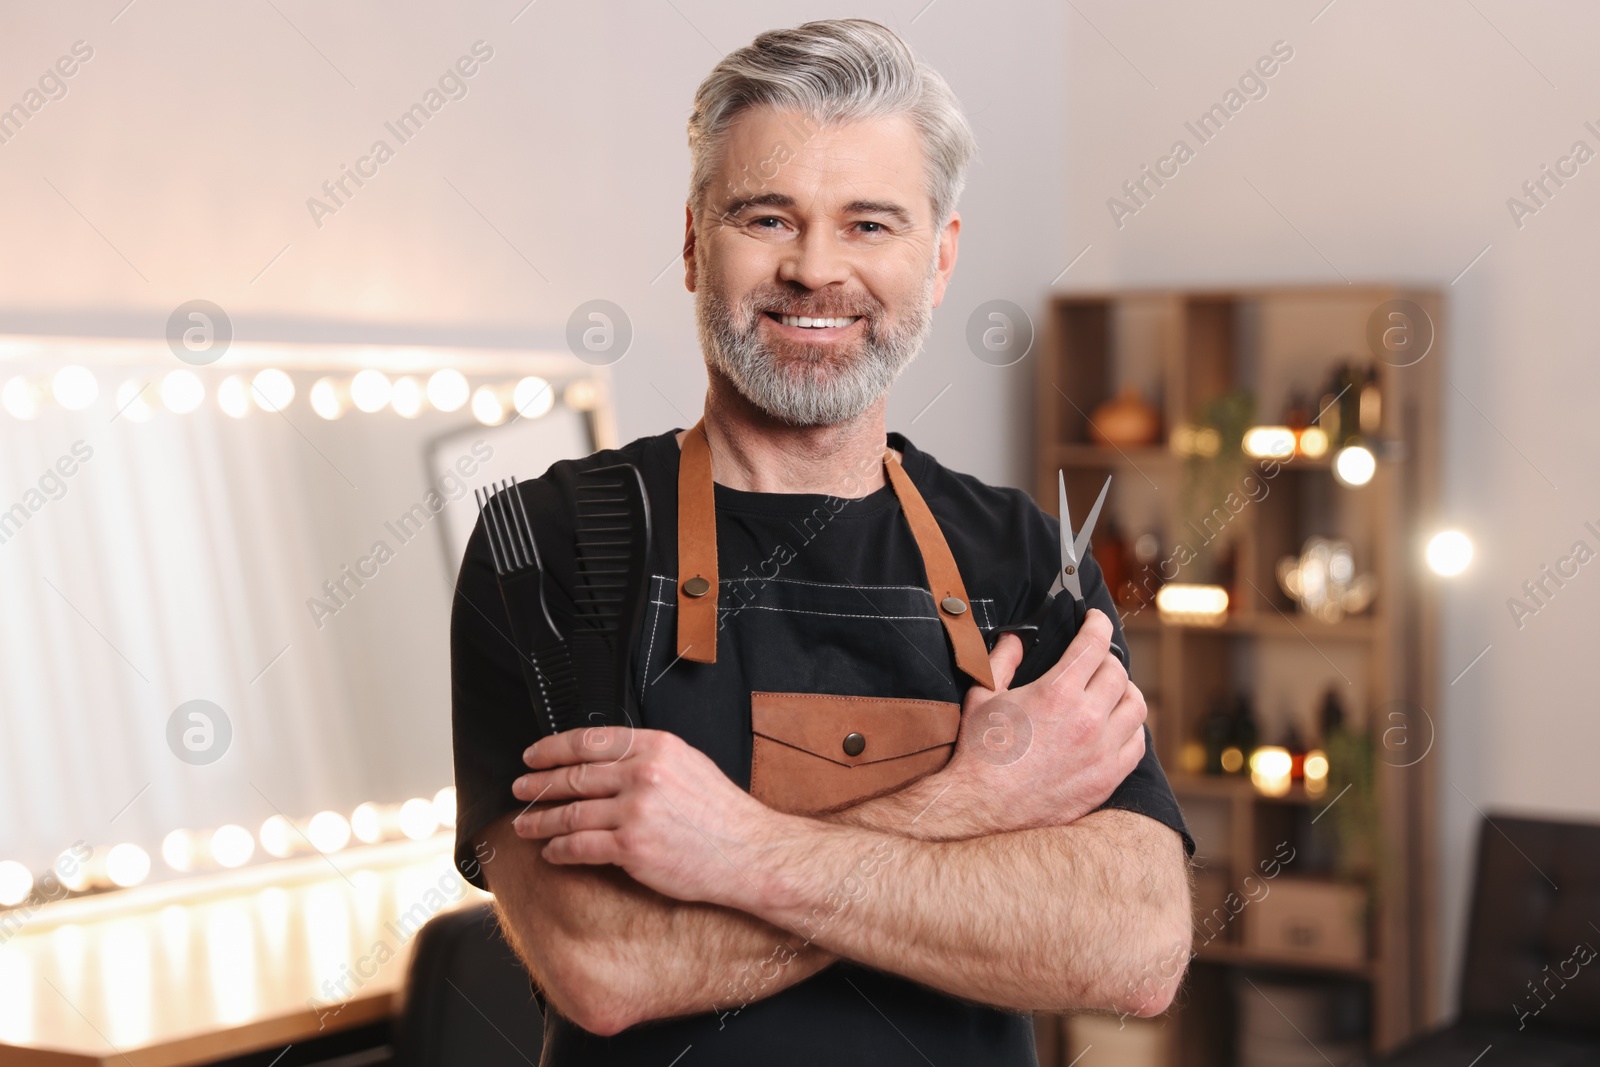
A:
(816, 309)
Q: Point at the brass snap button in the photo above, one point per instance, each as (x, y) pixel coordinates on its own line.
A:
(696, 587)
(853, 744)
(953, 605)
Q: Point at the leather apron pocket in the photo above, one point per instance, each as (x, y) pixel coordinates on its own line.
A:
(815, 752)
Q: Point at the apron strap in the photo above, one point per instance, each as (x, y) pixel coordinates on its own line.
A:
(944, 579)
(697, 561)
(697, 549)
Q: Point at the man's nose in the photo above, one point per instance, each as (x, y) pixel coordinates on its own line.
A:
(816, 259)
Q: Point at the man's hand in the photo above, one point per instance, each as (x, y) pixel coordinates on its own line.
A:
(1049, 752)
(648, 802)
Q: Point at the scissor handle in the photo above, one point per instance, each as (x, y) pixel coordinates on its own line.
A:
(1045, 635)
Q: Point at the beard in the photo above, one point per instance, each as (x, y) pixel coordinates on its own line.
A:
(810, 384)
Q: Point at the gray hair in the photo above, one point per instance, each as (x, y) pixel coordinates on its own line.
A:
(836, 70)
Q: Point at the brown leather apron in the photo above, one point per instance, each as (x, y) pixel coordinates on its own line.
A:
(815, 751)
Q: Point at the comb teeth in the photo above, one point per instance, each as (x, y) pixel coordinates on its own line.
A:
(604, 551)
(510, 530)
(558, 685)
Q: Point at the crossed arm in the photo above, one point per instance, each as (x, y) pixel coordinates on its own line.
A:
(664, 889)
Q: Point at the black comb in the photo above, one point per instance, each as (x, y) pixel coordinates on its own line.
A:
(613, 547)
(546, 662)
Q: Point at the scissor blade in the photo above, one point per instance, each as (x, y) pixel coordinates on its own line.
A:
(1067, 559)
(1081, 545)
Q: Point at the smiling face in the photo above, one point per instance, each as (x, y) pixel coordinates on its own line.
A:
(815, 262)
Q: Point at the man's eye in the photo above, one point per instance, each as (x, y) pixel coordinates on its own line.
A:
(879, 226)
(765, 219)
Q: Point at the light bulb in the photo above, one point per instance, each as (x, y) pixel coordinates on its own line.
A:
(232, 845)
(1269, 442)
(533, 397)
(233, 396)
(1354, 466)
(369, 390)
(447, 389)
(74, 387)
(406, 398)
(20, 398)
(366, 822)
(486, 407)
(132, 403)
(328, 831)
(272, 389)
(1449, 553)
(444, 806)
(127, 865)
(179, 850)
(182, 391)
(277, 837)
(16, 882)
(326, 398)
(417, 819)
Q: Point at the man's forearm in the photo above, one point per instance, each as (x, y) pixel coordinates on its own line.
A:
(1091, 915)
(610, 953)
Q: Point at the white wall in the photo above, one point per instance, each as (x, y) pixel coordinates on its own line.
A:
(1387, 148)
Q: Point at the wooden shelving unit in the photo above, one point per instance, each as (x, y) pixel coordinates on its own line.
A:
(1182, 349)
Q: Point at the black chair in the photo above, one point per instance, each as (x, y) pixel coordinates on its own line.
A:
(1530, 986)
(467, 998)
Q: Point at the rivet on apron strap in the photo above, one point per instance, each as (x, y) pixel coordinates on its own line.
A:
(697, 549)
(944, 579)
(697, 558)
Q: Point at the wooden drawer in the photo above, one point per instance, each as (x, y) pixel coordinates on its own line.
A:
(1307, 920)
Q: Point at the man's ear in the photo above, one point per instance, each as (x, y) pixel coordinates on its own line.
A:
(948, 242)
(688, 247)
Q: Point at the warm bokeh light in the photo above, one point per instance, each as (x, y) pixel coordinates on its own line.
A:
(272, 389)
(329, 831)
(182, 391)
(72, 870)
(366, 822)
(74, 387)
(1313, 442)
(233, 396)
(1192, 605)
(16, 882)
(370, 390)
(444, 806)
(1232, 759)
(277, 837)
(232, 845)
(127, 865)
(327, 398)
(1354, 466)
(132, 400)
(486, 406)
(447, 389)
(533, 397)
(1449, 553)
(1270, 769)
(1316, 772)
(581, 395)
(406, 397)
(417, 820)
(1269, 442)
(20, 398)
(179, 850)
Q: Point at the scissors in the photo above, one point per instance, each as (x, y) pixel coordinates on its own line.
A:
(1046, 633)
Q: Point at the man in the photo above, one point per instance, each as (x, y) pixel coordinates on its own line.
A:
(686, 889)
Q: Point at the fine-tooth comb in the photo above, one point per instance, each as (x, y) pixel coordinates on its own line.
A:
(546, 662)
(613, 545)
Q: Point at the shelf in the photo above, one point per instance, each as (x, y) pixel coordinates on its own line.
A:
(1262, 624)
(1236, 787)
(1239, 956)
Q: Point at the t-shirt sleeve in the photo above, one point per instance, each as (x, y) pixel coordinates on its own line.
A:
(1146, 790)
(492, 715)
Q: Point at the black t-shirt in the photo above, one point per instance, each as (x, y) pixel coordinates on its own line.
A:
(840, 586)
